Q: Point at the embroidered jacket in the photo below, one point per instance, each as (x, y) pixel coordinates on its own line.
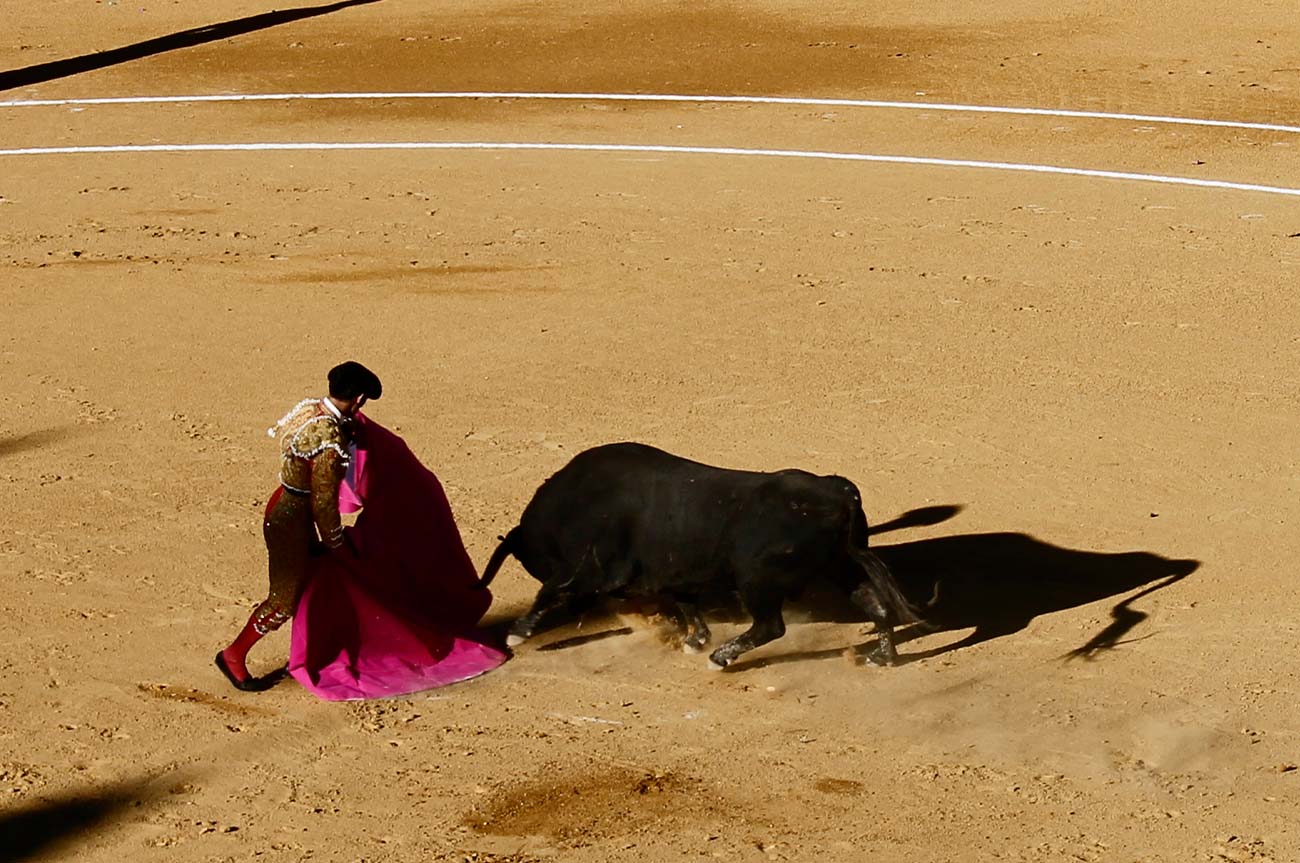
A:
(314, 445)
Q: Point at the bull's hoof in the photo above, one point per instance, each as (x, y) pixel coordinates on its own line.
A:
(687, 647)
(513, 640)
(719, 660)
(875, 657)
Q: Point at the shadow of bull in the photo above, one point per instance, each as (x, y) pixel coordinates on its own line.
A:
(999, 582)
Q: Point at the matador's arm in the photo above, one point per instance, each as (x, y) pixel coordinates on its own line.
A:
(327, 472)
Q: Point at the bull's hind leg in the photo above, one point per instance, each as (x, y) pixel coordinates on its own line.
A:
(698, 634)
(690, 624)
(548, 601)
(768, 626)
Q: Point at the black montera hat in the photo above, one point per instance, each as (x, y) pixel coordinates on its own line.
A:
(351, 380)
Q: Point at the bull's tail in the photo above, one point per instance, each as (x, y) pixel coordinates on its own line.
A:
(504, 550)
(886, 585)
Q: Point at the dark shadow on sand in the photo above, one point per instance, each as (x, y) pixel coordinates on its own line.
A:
(997, 583)
(42, 72)
(577, 640)
(1123, 619)
(44, 827)
(32, 440)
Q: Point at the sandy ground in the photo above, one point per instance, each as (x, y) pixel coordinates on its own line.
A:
(1097, 375)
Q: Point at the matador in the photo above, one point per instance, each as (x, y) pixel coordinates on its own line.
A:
(302, 516)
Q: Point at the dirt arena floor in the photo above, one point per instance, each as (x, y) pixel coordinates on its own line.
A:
(1088, 384)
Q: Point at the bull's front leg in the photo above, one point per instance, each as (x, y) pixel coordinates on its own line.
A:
(864, 596)
(768, 626)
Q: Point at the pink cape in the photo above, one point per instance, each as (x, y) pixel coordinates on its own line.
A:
(402, 616)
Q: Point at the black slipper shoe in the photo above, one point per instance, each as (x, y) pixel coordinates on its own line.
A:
(252, 684)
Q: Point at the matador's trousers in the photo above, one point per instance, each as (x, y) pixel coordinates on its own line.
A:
(290, 534)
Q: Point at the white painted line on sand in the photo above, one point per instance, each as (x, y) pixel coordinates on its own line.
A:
(646, 148)
(656, 97)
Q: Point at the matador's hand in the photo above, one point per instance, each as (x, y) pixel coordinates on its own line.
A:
(346, 547)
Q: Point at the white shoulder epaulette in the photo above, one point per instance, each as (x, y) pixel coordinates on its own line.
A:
(275, 429)
(312, 453)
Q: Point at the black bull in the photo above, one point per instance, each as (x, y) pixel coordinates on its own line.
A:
(630, 520)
